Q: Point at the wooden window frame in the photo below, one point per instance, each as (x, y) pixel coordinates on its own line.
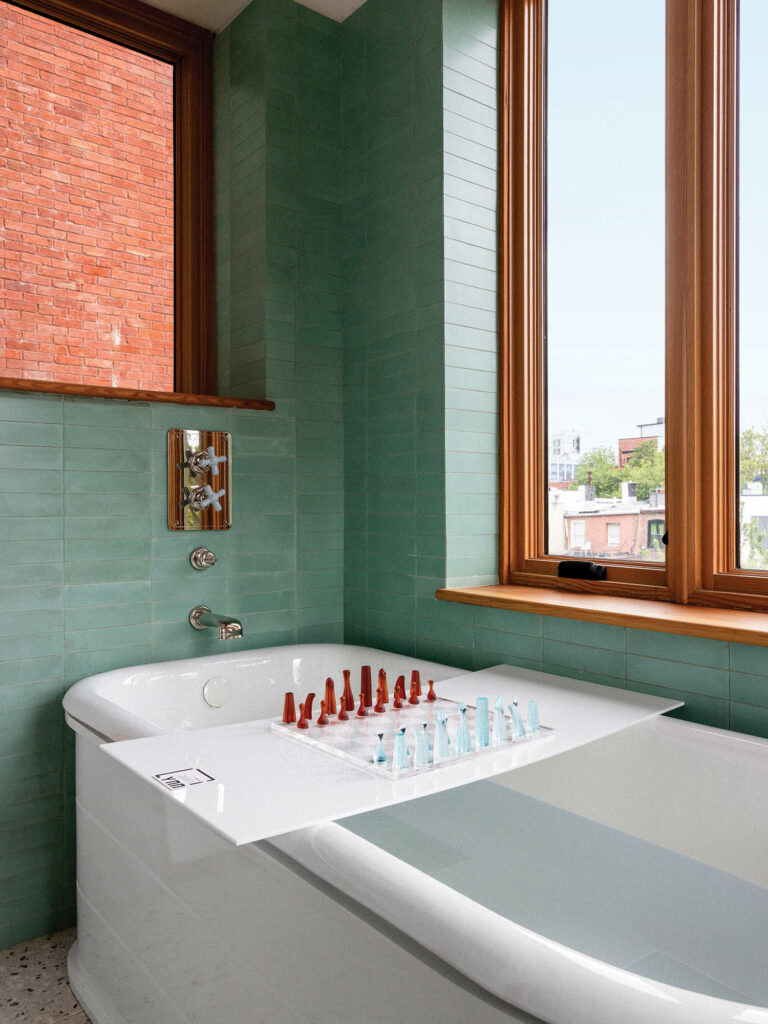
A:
(701, 511)
(189, 48)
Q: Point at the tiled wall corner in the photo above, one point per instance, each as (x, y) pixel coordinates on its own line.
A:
(393, 318)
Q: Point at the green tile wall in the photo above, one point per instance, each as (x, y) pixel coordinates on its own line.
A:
(393, 318)
(278, 234)
(470, 144)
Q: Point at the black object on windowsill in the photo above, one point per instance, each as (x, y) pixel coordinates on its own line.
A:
(573, 570)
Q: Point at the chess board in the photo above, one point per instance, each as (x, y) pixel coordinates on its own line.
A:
(356, 739)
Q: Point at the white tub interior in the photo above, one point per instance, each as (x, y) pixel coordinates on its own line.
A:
(594, 889)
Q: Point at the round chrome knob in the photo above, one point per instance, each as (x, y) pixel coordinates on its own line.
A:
(202, 558)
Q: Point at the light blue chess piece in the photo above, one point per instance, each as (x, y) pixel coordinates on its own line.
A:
(400, 753)
(499, 723)
(441, 736)
(463, 736)
(482, 737)
(422, 757)
(380, 757)
(518, 729)
(533, 717)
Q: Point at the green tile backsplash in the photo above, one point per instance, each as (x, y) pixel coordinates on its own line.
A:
(356, 285)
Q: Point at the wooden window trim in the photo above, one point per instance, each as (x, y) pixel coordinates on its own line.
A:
(700, 321)
(189, 49)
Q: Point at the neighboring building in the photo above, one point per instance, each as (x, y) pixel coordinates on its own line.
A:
(620, 527)
(564, 455)
(648, 432)
(753, 507)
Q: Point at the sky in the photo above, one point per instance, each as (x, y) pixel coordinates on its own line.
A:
(605, 216)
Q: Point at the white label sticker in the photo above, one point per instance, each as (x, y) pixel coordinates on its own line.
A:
(184, 777)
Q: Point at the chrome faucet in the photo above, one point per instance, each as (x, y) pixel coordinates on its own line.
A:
(202, 617)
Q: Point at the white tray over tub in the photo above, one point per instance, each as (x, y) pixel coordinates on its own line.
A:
(248, 782)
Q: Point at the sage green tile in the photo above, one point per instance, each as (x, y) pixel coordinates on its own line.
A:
(105, 639)
(749, 689)
(525, 647)
(749, 719)
(44, 645)
(21, 599)
(98, 527)
(23, 434)
(46, 691)
(749, 658)
(100, 616)
(589, 634)
(586, 675)
(30, 623)
(711, 682)
(697, 708)
(31, 670)
(30, 408)
(112, 415)
(591, 659)
(100, 594)
(34, 528)
(672, 647)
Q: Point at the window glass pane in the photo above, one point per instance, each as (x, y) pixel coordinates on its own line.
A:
(605, 275)
(86, 208)
(753, 296)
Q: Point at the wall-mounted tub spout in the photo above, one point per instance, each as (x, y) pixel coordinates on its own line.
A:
(202, 617)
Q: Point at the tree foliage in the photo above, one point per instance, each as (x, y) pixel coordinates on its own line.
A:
(753, 458)
(601, 463)
(645, 468)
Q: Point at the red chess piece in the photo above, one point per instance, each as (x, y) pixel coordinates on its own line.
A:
(416, 678)
(380, 709)
(289, 709)
(365, 685)
(414, 698)
(323, 719)
(343, 716)
(348, 697)
(308, 705)
(431, 695)
(362, 711)
(330, 696)
(399, 691)
(400, 687)
(383, 685)
(302, 722)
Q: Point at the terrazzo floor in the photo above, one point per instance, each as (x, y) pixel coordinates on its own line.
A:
(33, 982)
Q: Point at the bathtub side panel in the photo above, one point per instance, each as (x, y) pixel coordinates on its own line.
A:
(231, 935)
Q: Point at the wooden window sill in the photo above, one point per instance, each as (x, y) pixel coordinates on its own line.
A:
(52, 387)
(662, 616)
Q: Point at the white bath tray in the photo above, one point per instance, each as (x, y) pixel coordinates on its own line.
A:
(356, 739)
(248, 782)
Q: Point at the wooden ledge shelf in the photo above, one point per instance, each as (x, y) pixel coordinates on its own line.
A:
(661, 616)
(52, 387)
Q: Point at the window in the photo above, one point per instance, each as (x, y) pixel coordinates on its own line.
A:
(578, 533)
(709, 471)
(107, 187)
(614, 535)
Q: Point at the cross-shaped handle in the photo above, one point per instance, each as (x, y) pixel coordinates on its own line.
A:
(212, 498)
(213, 460)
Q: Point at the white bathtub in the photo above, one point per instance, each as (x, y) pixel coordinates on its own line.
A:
(622, 883)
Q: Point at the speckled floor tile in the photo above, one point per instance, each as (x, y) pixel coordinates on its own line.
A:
(33, 982)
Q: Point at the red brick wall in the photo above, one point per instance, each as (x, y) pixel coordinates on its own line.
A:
(86, 208)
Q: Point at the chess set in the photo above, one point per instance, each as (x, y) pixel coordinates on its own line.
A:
(405, 735)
